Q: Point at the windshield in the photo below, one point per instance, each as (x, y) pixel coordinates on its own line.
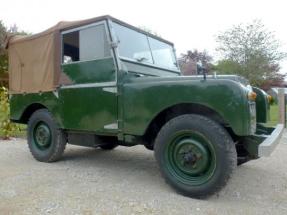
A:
(141, 48)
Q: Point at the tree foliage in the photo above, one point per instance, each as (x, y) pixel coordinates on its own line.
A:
(3, 55)
(188, 62)
(4, 32)
(7, 128)
(251, 51)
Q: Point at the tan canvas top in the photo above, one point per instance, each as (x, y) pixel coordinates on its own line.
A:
(34, 61)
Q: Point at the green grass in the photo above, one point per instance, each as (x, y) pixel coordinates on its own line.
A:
(273, 115)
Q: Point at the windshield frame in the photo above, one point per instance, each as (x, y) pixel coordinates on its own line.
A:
(148, 35)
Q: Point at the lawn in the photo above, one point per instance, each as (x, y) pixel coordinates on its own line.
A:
(273, 115)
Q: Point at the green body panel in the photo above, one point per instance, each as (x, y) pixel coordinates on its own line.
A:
(79, 107)
(102, 70)
(144, 98)
(262, 105)
(89, 108)
(83, 109)
(20, 102)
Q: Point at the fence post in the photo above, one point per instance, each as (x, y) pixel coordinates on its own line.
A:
(281, 105)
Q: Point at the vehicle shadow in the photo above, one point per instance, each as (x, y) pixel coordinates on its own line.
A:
(256, 182)
(250, 182)
(119, 159)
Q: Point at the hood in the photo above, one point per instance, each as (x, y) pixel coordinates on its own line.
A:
(235, 78)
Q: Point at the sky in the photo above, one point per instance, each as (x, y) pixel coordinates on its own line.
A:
(188, 24)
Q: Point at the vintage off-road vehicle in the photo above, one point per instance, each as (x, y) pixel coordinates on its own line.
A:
(103, 83)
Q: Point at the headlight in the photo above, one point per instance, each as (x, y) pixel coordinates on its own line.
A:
(270, 99)
(251, 96)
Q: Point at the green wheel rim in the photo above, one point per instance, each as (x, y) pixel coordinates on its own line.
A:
(190, 158)
(42, 138)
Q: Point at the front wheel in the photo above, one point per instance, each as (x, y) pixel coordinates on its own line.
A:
(195, 154)
(45, 139)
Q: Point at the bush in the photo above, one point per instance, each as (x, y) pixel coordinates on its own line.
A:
(7, 128)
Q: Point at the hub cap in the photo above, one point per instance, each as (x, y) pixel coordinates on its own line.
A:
(190, 158)
(42, 136)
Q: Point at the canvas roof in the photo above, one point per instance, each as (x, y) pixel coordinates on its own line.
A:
(35, 60)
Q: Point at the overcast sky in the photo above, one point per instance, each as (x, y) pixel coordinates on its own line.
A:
(188, 24)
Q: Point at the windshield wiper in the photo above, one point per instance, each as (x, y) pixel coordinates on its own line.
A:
(141, 59)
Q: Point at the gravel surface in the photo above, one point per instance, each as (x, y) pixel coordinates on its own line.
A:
(127, 181)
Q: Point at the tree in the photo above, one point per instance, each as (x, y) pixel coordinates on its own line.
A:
(251, 51)
(189, 62)
(6, 126)
(2, 34)
(3, 53)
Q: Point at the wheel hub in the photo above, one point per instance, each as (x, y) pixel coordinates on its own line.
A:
(42, 136)
(191, 156)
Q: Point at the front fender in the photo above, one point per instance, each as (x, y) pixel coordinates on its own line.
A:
(144, 100)
(262, 105)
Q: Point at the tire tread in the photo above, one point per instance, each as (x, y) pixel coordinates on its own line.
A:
(229, 148)
(60, 139)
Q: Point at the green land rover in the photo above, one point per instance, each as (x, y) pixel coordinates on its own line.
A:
(103, 83)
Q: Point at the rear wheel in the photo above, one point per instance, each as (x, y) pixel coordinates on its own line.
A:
(195, 154)
(45, 139)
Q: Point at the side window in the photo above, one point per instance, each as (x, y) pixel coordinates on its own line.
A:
(93, 43)
(71, 47)
(86, 44)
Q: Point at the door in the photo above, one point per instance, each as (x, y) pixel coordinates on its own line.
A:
(90, 102)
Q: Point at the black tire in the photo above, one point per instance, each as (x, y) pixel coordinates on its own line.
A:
(108, 146)
(149, 147)
(242, 160)
(196, 155)
(46, 140)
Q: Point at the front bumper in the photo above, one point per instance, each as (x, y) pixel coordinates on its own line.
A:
(269, 144)
(263, 142)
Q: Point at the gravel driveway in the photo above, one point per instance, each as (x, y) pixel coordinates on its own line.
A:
(127, 181)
